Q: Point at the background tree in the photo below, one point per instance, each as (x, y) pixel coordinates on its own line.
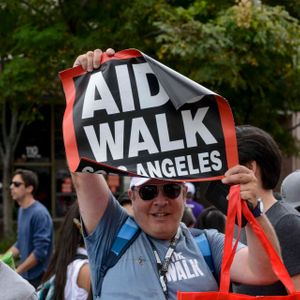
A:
(39, 38)
(247, 53)
(24, 84)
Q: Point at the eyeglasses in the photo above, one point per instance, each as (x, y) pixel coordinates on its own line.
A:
(16, 183)
(150, 191)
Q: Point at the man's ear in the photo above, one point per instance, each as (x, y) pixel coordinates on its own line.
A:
(252, 165)
(29, 188)
(130, 194)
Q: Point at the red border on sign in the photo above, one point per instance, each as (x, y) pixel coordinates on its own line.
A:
(67, 78)
(228, 126)
(68, 124)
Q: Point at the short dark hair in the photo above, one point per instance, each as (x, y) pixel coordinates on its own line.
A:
(211, 218)
(124, 199)
(256, 144)
(188, 218)
(29, 177)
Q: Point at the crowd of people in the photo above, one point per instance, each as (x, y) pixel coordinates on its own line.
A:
(141, 246)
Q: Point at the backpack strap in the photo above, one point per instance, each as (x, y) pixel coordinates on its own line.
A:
(80, 256)
(204, 247)
(126, 235)
(46, 290)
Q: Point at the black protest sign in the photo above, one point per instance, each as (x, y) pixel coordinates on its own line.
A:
(134, 115)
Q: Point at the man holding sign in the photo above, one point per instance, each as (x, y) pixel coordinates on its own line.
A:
(163, 258)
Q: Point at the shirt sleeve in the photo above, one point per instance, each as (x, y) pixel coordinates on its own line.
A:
(99, 242)
(216, 242)
(42, 235)
(16, 244)
(287, 230)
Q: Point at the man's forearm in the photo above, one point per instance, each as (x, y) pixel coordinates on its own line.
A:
(92, 194)
(296, 281)
(27, 264)
(258, 258)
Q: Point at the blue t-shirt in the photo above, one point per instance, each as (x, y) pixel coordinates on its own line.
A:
(35, 231)
(135, 275)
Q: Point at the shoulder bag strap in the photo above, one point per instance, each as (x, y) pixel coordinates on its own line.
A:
(235, 208)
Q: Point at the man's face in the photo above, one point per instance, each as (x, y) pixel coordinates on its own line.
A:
(17, 188)
(160, 216)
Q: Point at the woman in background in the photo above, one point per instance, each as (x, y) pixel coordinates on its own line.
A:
(69, 264)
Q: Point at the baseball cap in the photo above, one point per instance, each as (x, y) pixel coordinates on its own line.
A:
(190, 188)
(137, 181)
(290, 189)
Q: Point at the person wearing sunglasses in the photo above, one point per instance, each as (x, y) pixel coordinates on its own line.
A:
(35, 228)
(164, 257)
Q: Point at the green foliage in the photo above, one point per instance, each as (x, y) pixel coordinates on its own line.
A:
(249, 54)
(292, 6)
(6, 243)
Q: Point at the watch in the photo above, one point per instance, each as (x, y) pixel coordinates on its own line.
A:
(258, 210)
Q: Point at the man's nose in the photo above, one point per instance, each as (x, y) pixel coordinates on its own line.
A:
(161, 198)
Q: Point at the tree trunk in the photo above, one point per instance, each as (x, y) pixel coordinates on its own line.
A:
(7, 201)
(11, 132)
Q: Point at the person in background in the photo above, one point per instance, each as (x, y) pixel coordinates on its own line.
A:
(188, 217)
(13, 286)
(35, 228)
(211, 218)
(259, 152)
(125, 202)
(153, 266)
(277, 195)
(190, 202)
(290, 189)
(69, 263)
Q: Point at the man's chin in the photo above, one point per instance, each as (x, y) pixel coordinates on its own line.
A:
(162, 232)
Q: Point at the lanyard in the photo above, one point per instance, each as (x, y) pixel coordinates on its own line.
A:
(162, 267)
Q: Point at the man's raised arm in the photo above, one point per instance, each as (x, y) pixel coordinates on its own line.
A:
(92, 194)
(92, 189)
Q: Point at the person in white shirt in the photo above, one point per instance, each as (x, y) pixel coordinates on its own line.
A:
(69, 263)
